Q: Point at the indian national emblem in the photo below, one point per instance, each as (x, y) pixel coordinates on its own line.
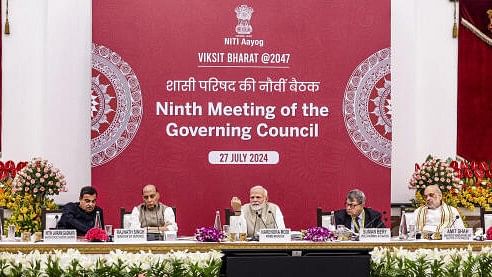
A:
(243, 14)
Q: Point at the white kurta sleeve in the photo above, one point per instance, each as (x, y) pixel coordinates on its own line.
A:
(135, 218)
(170, 219)
(279, 217)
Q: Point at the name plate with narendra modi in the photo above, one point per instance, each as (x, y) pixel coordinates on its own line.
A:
(275, 235)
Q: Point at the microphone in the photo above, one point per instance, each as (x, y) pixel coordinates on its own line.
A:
(255, 237)
(159, 232)
(454, 221)
(380, 223)
(57, 219)
(258, 214)
(254, 226)
(145, 222)
(274, 221)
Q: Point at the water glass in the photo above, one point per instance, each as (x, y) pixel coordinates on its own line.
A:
(340, 229)
(226, 229)
(26, 236)
(108, 229)
(342, 233)
(11, 232)
(412, 232)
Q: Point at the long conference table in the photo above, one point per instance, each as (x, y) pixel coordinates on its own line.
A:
(296, 258)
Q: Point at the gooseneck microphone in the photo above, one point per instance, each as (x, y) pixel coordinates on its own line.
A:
(57, 219)
(258, 214)
(255, 237)
(380, 224)
(142, 214)
(254, 226)
(454, 221)
(274, 220)
(157, 218)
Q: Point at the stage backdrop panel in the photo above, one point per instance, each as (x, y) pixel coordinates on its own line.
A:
(301, 88)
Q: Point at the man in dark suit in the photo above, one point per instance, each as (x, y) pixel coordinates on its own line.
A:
(355, 215)
(81, 215)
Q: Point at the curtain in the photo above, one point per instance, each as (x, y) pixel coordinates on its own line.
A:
(475, 80)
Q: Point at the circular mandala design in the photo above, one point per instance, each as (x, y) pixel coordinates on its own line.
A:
(116, 105)
(367, 107)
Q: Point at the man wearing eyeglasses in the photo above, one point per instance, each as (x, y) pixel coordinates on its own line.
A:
(151, 214)
(436, 215)
(355, 216)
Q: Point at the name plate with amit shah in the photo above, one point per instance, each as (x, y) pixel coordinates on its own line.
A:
(130, 235)
(69, 235)
(375, 234)
(457, 234)
(275, 235)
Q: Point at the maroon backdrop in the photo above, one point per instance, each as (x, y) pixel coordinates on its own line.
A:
(474, 82)
(1, 86)
(140, 45)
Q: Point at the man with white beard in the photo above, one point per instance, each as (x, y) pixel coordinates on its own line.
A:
(259, 213)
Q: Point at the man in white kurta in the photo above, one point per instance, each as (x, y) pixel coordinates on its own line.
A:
(436, 215)
(153, 215)
(259, 213)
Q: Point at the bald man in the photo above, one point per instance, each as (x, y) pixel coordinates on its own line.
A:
(265, 214)
(436, 215)
(151, 214)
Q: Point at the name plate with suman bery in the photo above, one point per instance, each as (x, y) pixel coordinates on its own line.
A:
(60, 235)
(130, 235)
(275, 235)
(375, 234)
(457, 234)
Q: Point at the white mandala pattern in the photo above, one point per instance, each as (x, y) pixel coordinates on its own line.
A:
(116, 105)
(367, 107)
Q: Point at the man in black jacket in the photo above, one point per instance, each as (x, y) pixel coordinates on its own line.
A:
(81, 215)
(355, 216)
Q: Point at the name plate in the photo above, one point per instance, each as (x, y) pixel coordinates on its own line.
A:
(69, 235)
(170, 235)
(375, 234)
(457, 234)
(130, 235)
(275, 235)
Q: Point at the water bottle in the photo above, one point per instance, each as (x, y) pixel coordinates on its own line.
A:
(333, 223)
(403, 232)
(97, 221)
(217, 223)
